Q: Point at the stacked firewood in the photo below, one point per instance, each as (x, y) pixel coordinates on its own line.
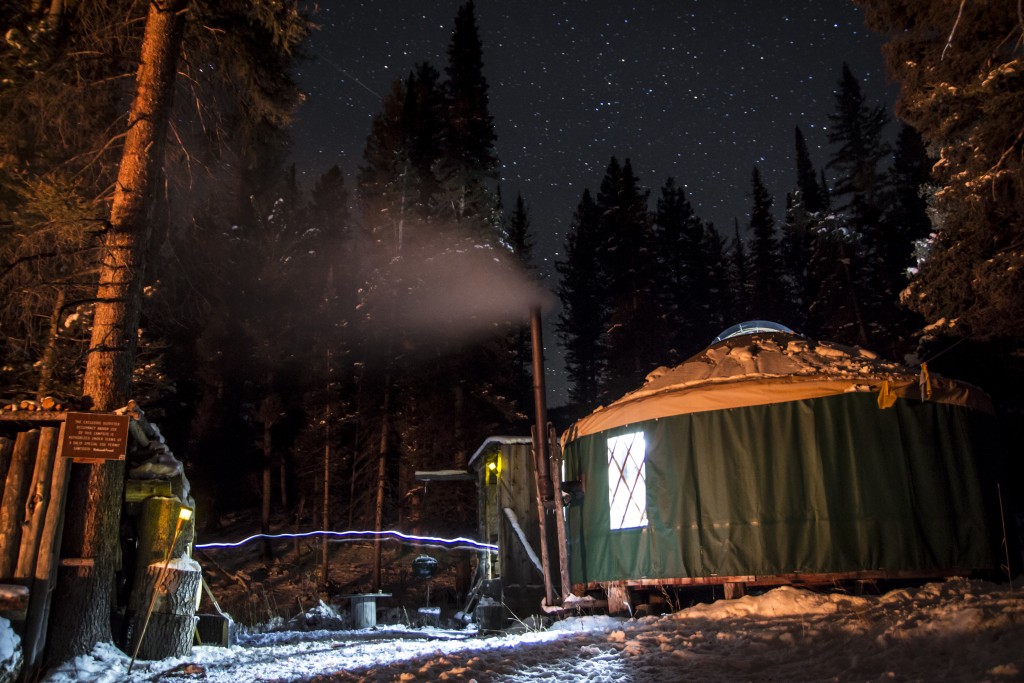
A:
(47, 403)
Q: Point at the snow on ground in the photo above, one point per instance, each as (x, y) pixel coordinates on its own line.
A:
(10, 653)
(958, 630)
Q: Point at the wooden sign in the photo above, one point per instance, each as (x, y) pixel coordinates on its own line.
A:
(95, 436)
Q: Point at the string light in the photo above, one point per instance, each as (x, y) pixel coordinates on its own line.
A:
(459, 542)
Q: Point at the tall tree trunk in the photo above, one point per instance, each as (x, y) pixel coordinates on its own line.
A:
(50, 353)
(82, 604)
(282, 471)
(325, 521)
(269, 415)
(268, 425)
(382, 454)
(326, 517)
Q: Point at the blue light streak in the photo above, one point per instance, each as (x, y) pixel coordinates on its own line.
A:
(453, 543)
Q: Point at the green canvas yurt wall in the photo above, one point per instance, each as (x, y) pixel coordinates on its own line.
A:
(772, 456)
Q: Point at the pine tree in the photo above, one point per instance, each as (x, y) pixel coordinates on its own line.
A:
(858, 150)
(82, 607)
(425, 192)
(635, 342)
(837, 311)
(518, 235)
(856, 130)
(904, 222)
(520, 242)
(813, 195)
(684, 288)
(582, 289)
(470, 132)
(721, 312)
(805, 208)
(768, 296)
(739, 275)
(60, 148)
(469, 162)
(389, 183)
(959, 68)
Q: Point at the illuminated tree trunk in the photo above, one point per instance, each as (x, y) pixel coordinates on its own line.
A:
(82, 604)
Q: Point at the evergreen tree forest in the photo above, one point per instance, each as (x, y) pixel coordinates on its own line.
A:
(648, 283)
(343, 335)
(307, 350)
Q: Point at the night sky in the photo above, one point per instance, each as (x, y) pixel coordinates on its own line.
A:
(700, 90)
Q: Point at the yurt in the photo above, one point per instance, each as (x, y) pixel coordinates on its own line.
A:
(769, 458)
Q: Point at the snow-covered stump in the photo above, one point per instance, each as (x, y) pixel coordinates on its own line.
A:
(172, 625)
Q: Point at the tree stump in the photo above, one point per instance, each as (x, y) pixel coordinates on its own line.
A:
(156, 524)
(172, 623)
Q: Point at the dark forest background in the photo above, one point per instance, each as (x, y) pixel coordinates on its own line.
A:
(377, 323)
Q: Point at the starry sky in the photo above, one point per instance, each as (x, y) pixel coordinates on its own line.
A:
(699, 90)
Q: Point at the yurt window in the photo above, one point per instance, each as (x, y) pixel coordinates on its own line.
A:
(627, 480)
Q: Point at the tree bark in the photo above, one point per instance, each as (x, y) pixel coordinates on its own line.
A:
(269, 410)
(326, 518)
(50, 353)
(171, 625)
(382, 455)
(82, 606)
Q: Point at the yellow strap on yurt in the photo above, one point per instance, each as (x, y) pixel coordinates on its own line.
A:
(886, 396)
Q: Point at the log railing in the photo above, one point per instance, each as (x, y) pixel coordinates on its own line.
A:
(31, 520)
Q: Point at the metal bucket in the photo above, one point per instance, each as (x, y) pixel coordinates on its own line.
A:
(364, 611)
(490, 615)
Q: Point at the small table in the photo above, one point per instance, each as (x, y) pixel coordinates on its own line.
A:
(364, 608)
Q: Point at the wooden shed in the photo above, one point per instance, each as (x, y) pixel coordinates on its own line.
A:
(508, 517)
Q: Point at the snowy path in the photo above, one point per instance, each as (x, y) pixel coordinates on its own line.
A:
(952, 631)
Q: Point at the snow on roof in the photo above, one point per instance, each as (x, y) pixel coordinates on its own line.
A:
(772, 355)
(492, 440)
(764, 368)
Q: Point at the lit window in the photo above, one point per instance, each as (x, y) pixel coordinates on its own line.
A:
(627, 481)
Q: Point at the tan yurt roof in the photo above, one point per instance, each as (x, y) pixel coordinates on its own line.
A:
(765, 367)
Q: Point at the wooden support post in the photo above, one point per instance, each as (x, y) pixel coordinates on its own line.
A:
(618, 599)
(6, 449)
(36, 504)
(542, 514)
(12, 510)
(734, 589)
(556, 482)
(45, 574)
(541, 463)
